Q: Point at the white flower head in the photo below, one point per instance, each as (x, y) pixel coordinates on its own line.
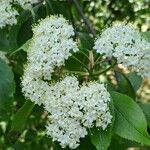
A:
(51, 45)
(73, 108)
(94, 99)
(124, 43)
(143, 65)
(7, 13)
(122, 37)
(26, 4)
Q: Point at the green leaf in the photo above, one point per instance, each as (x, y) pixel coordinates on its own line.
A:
(125, 86)
(21, 116)
(24, 47)
(58, 7)
(146, 35)
(101, 139)
(4, 43)
(118, 143)
(130, 122)
(7, 89)
(146, 109)
(86, 41)
(85, 144)
(135, 80)
(15, 32)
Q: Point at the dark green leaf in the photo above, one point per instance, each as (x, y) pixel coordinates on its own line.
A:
(4, 43)
(125, 86)
(135, 80)
(130, 122)
(21, 116)
(15, 32)
(24, 47)
(58, 7)
(7, 89)
(31, 135)
(85, 144)
(146, 109)
(146, 35)
(86, 41)
(118, 143)
(101, 139)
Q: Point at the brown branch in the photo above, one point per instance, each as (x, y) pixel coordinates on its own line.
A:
(86, 21)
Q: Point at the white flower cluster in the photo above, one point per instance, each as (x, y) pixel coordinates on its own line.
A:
(142, 67)
(73, 109)
(3, 57)
(93, 101)
(8, 13)
(26, 4)
(51, 45)
(127, 45)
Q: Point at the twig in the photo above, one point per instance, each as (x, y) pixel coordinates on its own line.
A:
(101, 72)
(76, 72)
(70, 13)
(86, 21)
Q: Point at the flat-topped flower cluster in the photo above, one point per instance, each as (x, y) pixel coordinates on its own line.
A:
(72, 107)
(8, 13)
(51, 45)
(128, 46)
(75, 108)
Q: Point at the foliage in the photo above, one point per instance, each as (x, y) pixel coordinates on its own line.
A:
(22, 123)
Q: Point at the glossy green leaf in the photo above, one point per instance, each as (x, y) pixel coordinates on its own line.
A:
(24, 47)
(15, 31)
(86, 41)
(130, 122)
(4, 42)
(85, 144)
(101, 139)
(118, 143)
(135, 80)
(7, 89)
(58, 7)
(146, 109)
(21, 116)
(125, 86)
